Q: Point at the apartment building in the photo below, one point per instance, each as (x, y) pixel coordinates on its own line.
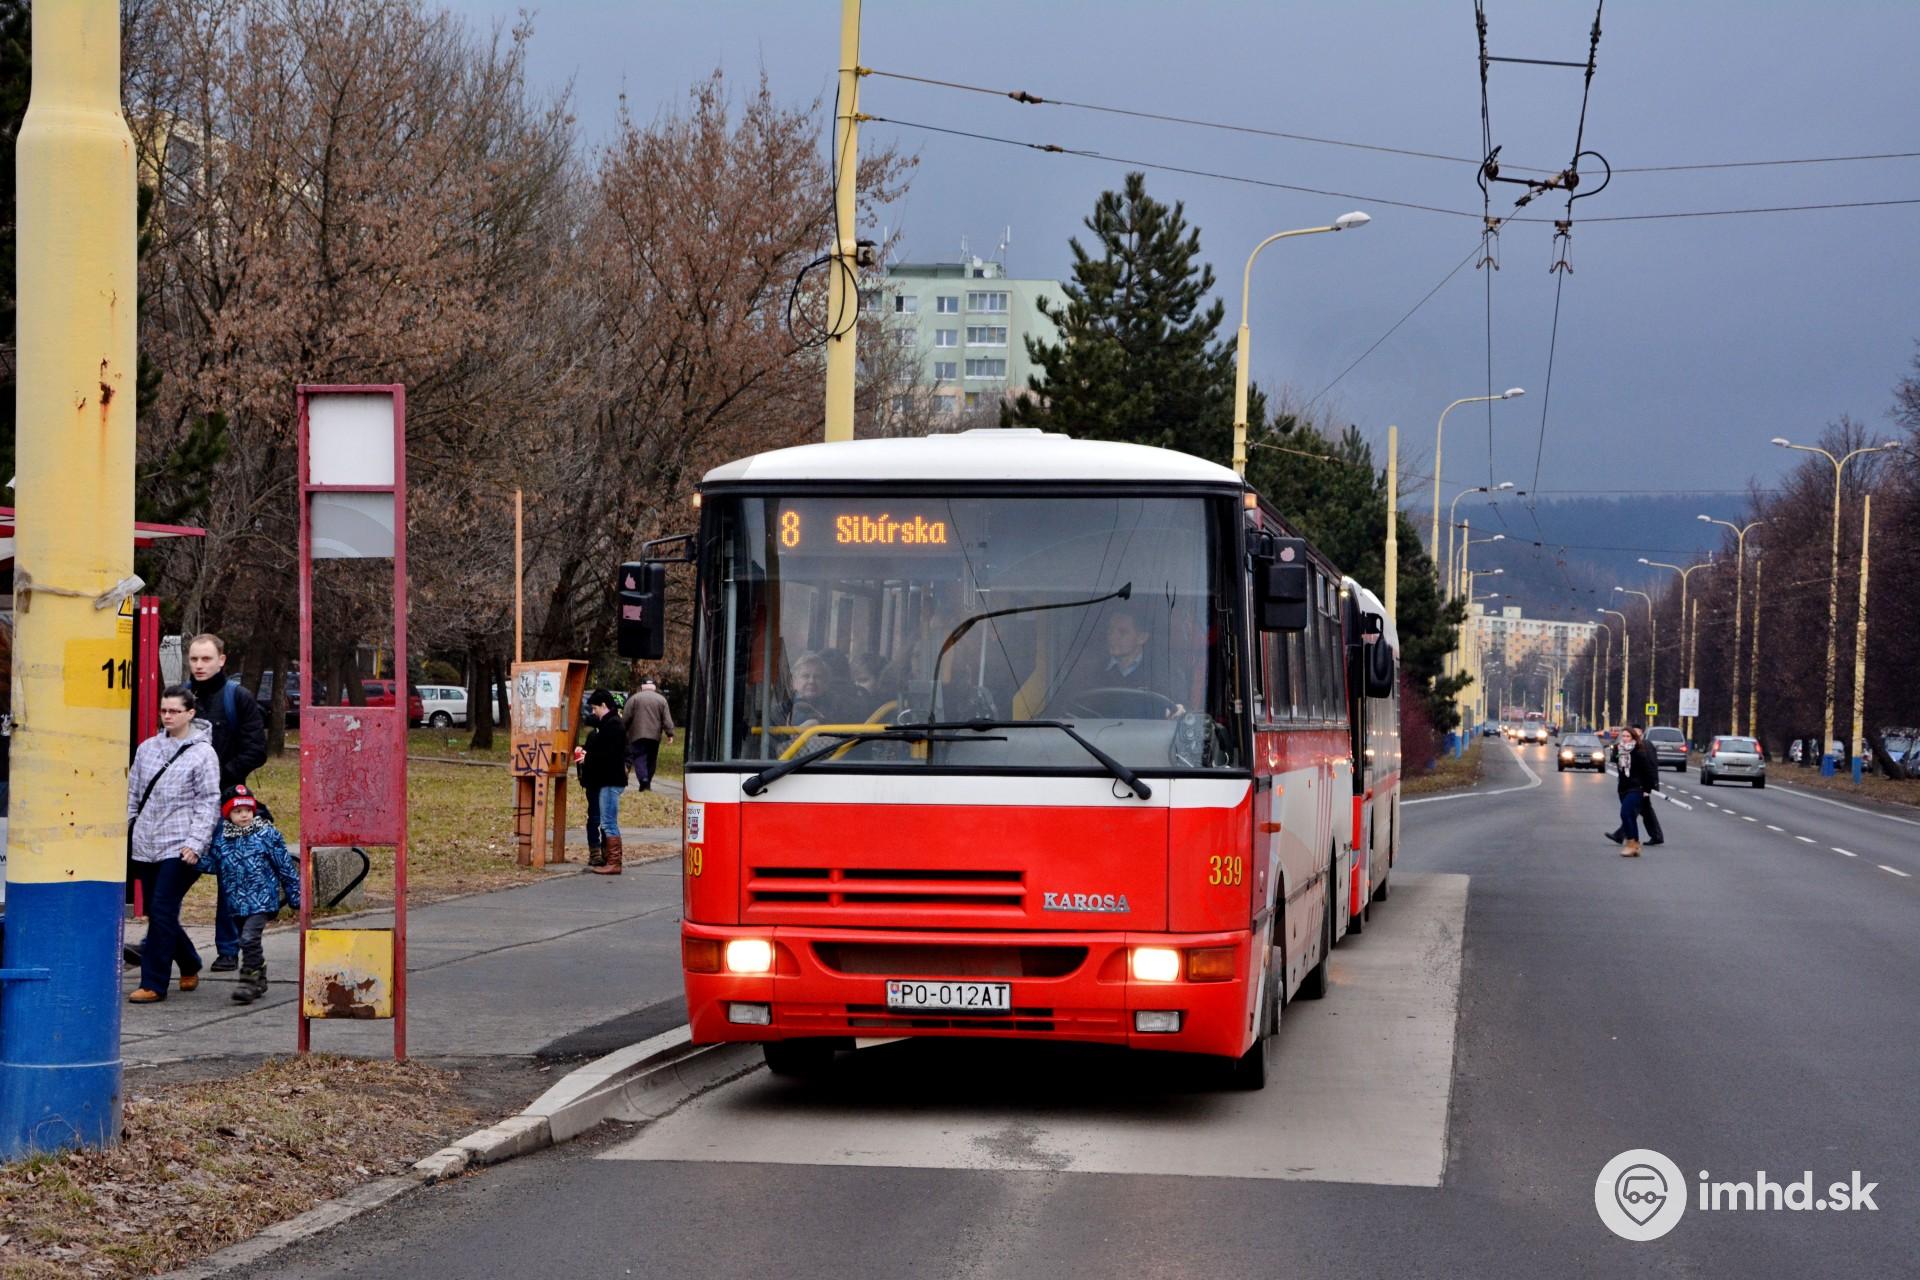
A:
(965, 325)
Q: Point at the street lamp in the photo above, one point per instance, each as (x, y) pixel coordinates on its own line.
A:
(1453, 509)
(1626, 658)
(1685, 630)
(1653, 639)
(1739, 607)
(1439, 432)
(1833, 577)
(1345, 222)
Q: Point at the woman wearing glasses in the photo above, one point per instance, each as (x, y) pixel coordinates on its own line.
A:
(173, 803)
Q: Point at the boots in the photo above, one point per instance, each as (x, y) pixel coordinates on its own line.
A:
(251, 986)
(614, 853)
(1632, 850)
(596, 856)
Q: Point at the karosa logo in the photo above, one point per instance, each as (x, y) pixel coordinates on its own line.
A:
(1102, 902)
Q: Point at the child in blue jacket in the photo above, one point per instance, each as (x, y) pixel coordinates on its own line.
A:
(251, 859)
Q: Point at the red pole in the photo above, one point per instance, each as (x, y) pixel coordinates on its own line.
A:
(308, 698)
(402, 700)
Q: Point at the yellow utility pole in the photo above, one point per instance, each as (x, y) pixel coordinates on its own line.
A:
(1739, 609)
(1626, 664)
(1653, 645)
(76, 357)
(1859, 643)
(1345, 222)
(1393, 521)
(1685, 631)
(843, 275)
(1833, 572)
(1693, 640)
(1753, 663)
(1439, 435)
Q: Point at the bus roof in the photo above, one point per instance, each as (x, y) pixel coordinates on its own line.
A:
(984, 454)
(1371, 603)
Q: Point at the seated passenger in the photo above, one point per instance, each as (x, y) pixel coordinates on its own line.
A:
(816, 697)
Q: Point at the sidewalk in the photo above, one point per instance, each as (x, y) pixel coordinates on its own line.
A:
(515, 972)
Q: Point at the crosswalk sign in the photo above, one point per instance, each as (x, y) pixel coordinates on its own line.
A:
(1653, 709)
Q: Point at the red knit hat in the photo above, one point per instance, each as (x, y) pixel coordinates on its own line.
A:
(237, 797)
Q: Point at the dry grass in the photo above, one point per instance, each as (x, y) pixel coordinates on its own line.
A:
(204, 1164)
(459, 831)
(1448, 774)
(1872, 787)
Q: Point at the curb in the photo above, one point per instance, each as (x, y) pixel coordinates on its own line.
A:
(641, 1082)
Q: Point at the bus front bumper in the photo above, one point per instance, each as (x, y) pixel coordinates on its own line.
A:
(1064, 986)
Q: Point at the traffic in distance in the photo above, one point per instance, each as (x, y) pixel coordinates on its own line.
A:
(1006, 734)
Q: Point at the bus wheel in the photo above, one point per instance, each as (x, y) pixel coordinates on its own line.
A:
(798, 1059)
(1314, 985)
(1249, 1071)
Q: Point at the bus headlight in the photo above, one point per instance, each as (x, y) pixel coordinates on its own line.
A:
(1155, 964)
(749, 955)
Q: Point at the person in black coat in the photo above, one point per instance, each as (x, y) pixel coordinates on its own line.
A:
(1639, 777)
(603, 771)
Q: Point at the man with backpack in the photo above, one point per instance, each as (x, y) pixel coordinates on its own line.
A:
(240, 742)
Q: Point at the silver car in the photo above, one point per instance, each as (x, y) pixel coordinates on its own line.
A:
(1733, 760)
(1670, 745)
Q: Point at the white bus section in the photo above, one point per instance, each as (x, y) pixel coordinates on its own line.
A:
(1380, 1049)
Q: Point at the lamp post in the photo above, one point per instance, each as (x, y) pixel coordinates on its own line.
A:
(1739, 608)
(1439, 432)
(1685, 631)
(1833, 576)
(1653, 639)
(1753, 662)
(1448, 586)
(1460, 645)
(1626, 660)
(1345, 222)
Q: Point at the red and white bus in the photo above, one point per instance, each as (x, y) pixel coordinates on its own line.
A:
(1009, 734)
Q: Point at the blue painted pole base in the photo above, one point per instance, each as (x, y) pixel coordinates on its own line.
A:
(60, 1034)
(1826, 766)
(1856, 771)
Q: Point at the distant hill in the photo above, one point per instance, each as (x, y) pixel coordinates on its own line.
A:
(1566, 555)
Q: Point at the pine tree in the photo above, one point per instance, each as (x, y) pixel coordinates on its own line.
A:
(1138, 359)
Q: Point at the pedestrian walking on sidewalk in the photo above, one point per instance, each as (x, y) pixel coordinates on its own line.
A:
(173, 801)
(648, 720)
(239, 736)
(1638, 775)
(250, 857)
(603, 770)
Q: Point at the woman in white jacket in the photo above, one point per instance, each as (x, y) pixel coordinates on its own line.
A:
(173, 804)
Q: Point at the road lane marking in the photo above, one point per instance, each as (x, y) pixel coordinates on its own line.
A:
(1744, 817)
(1895, 871)
(1781, 830)
(1380, 1047)
(1533, 781)
(1850, 853)
(1784, 789)
(1806, 840)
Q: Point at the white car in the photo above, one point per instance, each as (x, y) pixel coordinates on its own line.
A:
(445, 704)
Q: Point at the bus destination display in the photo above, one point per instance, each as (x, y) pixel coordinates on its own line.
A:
(826, 528)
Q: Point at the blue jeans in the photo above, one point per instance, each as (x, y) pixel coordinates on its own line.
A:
(607, 801)
(163, 886)
(1630, 814)
(594, 837)
(226, 926)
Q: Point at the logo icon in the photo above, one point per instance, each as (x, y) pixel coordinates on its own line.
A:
(1640, 1195)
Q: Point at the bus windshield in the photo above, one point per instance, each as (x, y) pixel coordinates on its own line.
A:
(821, 614)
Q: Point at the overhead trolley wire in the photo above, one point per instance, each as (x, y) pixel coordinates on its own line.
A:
(1391, 330)
(1031, 99)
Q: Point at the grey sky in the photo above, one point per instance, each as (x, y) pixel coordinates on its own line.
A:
(1684, 345)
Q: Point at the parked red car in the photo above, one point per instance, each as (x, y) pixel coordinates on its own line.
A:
(380, 694)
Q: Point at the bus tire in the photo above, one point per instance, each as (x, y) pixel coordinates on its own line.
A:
(1314, 985)
(1248, 1072)
(798, 1059)
(1381, 892)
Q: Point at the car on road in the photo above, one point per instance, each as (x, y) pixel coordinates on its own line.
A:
(380, 694)
(1731, 759)
(1670, 745)
(445, 704)
(1533, 734)
(1583, 751)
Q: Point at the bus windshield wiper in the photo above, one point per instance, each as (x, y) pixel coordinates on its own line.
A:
(1112, 766)
(966, 624)
(760, 781)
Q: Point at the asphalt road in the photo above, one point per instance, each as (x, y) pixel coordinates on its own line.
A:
(1524, 1008)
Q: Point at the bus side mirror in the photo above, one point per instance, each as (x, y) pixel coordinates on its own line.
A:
(642, 628)
(1282, 588)
(1376, 657)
